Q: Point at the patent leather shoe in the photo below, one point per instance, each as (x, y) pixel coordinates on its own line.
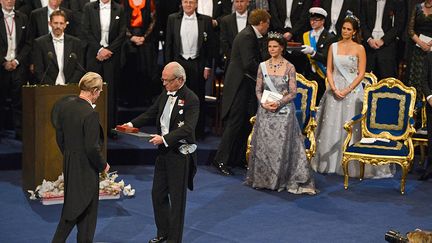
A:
(223, 169)
(158, 239)
(425, 176)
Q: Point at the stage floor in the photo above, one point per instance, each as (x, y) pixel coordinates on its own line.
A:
(221, 209)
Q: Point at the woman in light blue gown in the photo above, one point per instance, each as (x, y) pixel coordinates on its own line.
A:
(341, 101)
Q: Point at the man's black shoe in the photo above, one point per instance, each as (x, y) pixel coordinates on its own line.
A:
(158, 239)
(425, 176)
(222, 168)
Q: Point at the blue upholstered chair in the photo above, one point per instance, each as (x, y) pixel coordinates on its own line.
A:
(387, 119)
(305, 112)
(369, 79)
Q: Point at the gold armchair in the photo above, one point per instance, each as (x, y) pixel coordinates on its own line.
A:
(386, 118)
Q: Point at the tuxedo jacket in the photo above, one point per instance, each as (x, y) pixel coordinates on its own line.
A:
(392, 21)
(205, 39)
(79, 136)
(22, 50)
(221, 8)
(351, 5)
(299, 16)
(43, 63)
(91, 30)
(23, 6)
(184, 117)
(228, 31)
(247, 53)
(38, 23)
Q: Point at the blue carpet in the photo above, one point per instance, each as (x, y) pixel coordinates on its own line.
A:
(221, 209)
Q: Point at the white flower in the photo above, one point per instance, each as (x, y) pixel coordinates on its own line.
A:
(180, 124)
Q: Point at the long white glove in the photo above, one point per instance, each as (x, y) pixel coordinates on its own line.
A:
(308, 50)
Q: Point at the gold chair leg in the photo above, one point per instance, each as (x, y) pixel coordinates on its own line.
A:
(362, 168)
(345, 169)
(403, 180)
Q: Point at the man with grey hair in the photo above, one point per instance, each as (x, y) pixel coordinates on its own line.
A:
(176, 112)
(80, 139)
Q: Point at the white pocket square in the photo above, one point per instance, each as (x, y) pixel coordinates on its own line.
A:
(117, 17)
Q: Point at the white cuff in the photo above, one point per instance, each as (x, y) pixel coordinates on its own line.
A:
(428, 97)
(163, 139)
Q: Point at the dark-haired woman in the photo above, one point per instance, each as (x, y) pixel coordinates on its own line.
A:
(343, 99)
(278, 159)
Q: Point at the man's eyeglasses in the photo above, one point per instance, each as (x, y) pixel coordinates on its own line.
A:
(168, 80)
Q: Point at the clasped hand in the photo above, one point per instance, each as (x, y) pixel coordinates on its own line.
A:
(341, 94)
(271, 106)
(104, 54)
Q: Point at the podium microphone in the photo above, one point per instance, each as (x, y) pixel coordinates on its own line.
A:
(74, 56)
(50, 58)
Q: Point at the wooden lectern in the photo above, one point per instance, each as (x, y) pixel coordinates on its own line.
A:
(42, 158)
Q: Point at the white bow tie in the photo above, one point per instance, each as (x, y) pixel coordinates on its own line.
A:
(9, 15)
(171, 93)
(104, 6)
(58, 40)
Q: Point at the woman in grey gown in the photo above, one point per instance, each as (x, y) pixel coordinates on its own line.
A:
(278, 159)
(343, 99)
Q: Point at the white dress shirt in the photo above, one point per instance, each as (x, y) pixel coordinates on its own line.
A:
(377, 32)
(59, 51)
(336, 7)
(205, 7)
(241, 20)
(105, 19)
(316, 34)
(11, 34)
(189, 36)
(288, 23)
(257, 33)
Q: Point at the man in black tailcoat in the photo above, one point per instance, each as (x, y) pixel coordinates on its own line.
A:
(382, 22)
(176, 113)
(57, 56)
(239, 101)
(231, 25)
(80, 138)
(13, 60)
(104, 40)
(39, 24)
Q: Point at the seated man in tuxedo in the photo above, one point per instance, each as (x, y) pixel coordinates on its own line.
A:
(316, 43)
(57, 56)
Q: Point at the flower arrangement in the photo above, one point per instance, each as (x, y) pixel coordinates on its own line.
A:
(52, 192)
